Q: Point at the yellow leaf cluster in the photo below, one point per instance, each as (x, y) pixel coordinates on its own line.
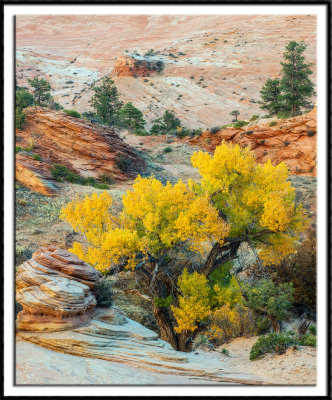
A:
(253, 196)
(230, 294)
(193, 303)
(229, 322)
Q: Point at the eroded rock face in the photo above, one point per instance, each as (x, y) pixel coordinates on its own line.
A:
(135, 66)
(291, 140)
(55, 290)
(35, 175)
(85, 148)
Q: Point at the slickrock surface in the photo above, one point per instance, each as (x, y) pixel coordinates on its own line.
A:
(291, 140)
(54, 288)
(213, 63)
(85, 148)
(109, 336)
(35, 175)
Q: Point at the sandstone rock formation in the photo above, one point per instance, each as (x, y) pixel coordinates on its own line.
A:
(213, 63)
(85, 148)
(35, 175)
(291, 140)
(111, 337)
(135, 66)
(54, 288)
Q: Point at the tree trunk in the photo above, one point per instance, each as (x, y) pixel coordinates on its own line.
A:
(165, 325)
(184, 340)
(208, 266)
(275, 325)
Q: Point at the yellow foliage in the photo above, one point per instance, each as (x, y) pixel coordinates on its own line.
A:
(228, 322)
(193, 303)
(253, 196)
(154, 218)
(230, 294)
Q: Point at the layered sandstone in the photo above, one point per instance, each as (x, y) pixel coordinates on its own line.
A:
(110, 336)
(87, 149)
(35, 175)
(135, 66)
(55, 291)
(292, 141)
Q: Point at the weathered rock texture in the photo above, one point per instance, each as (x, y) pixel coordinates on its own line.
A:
(85, 148)
(111, 337)
(213, 63)
(135, 66)
(55, 290)
(35, 175)
(291, 140)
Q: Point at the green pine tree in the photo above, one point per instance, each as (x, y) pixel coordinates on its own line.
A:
(106, 102)
(235, 114)
(296, 86)
(271, 96)
(24, 98)
(132, 117)
(167, 124)
(41, 91)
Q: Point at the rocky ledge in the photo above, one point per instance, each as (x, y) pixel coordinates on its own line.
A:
(87, 149)
(290, 140)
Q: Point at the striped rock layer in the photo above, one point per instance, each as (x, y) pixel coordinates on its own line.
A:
(55, 291)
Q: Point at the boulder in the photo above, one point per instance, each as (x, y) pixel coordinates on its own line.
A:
(55, 291)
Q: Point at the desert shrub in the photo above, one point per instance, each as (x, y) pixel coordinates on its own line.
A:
(62, 173)
(225, 351)
(262, 324)
(123, 163)
(240, 124)
(310, 133)
(141, 132)
(202, 340)
(103, 293)
(168, 149)
(272, 300)
(284, 114)
(273, 123)
(262, 141)
(313, 330)
(279, 343)
(36, 157)
(300, 269)
(19, 118)
(106, 179)
(253, 118)
(72, 113)
(286, 143)
(272, 343)
(249, 132)
(227, 323)
(308, 340)
(214, 130)
(197, 132)
(23, 99)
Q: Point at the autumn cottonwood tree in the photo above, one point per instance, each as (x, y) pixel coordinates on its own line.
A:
(238, 201)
